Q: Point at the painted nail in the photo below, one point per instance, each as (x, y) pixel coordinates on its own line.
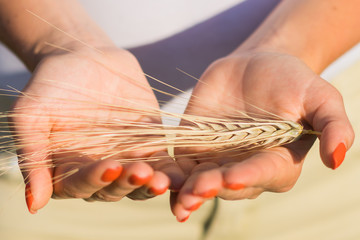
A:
(208, 194)
(156, 192)
(234, 186)
(138, 181)
(111, 174)
(29, 198)
(194, 207)
(182, 219)
(338, 155)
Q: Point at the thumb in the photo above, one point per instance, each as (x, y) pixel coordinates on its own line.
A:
(329, 118)
(35, 165)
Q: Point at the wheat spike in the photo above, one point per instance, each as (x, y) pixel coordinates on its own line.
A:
(119, 139)
(116, 139)
(242, 134)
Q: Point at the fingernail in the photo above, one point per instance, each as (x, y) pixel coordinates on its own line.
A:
(208, 194)
(138, 181)
(111, 174)
(234, 186)
(338, 155)
(156, 192)
(182, 219)
(29, 198)
(194, 207)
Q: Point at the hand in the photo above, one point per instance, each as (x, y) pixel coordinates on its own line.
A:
(67, 95)
(280, 84)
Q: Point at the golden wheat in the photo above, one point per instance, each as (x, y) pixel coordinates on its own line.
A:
(121, 140)
(118, 139)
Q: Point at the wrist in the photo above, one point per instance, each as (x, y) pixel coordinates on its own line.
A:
(55, 22)
(287, 44)
(65, 41)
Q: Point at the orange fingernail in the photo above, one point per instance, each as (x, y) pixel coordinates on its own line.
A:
(194, 207)
(29, 198)
(208, 194)
(234, 186)
(156, 192)
(138, 181)
(111, 174)
(338, 155)
(183, 219)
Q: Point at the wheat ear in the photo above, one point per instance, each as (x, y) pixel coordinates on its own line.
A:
(118, 139)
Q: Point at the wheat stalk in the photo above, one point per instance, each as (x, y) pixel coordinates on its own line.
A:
(119, 139)
(116, 138)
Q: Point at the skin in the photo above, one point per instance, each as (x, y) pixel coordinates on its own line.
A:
(48, 63)
(307, 98)
(277, 70)
(273, 59)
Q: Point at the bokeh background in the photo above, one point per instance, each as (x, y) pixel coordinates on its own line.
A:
(324, 204)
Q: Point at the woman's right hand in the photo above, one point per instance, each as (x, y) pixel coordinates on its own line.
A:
(66, 91)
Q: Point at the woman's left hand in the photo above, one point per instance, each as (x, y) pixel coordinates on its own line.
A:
(277, 83)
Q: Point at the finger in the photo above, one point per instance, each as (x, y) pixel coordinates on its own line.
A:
(171, 169)
(331, 120)
(273, 170)
(240, 194)
(134, 176)
(158, 185)
(207, 183)
(86, 177)
(177, 209)
(186, 164)
(35, 165)
(167, 174)
(204, 183)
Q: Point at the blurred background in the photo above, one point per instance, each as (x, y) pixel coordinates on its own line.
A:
(324, 204)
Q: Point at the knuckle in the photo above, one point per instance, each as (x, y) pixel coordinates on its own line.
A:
(70, 193)
(285, 188)
(255, 195)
